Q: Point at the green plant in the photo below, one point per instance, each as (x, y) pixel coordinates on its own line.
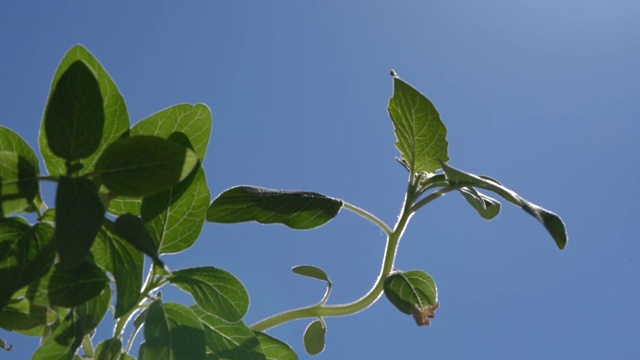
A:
(127, 191)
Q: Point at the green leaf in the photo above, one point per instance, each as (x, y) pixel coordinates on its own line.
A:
(10, 141)
(63, 341)
(116, 119)
(19, 186)
(296, 209)
(91, 312)
(109, 349)
(21, 315)
(172, 331)
(79, 215)
(216, 291)
(26, 253)
(421, 135)
(69, 288)
(486, 206)
(551, 221)
(74, 117)
(275, 349)
(144, 165)
(413, 292)
(122, 260)
(229, 340)
(312, 272)
(314, 337)
(132, 229)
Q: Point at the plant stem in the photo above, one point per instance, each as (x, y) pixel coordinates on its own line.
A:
(320, 310)
(367, 215)
(434, 196)
(87, 346)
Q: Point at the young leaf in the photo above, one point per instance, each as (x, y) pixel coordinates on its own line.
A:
(296, 209)
(229, 340)
(18, 184)
(10, 141)
(216, 291)
(486, 206)
(109, 349)
(275, 349)
(552, 222)
(144, 165)
(79, 216)
(316, 273)
(132, 229)
(63, 341)
(68, 288)
(413, 292)
(421, 135)
(116, 119)
(314, 337)
(172, 331)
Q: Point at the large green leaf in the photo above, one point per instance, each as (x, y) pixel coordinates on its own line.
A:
(79, 215)
(68, 288)
(421, 135)
(132, 229)
(26, 253)
(229, 340)
(19, 187)
(172, 332)
(63, 341)
(11, 141)
(296, 209)
(275, 349)
(109, 349)
(314, 337)
(413, 292)
(122, 260)
(215, 290)
(116, 119)
(551, 221)
(74, 117)
(144, 165)
(21, 315)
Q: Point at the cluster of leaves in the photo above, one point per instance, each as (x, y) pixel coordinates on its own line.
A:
(124, 192)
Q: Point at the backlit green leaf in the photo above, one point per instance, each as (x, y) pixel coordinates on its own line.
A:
(79, 215)
(21, 314)
(421, 135)
(10, 141)
(413, 292)
(275, 349)
(144, 165)
(116, 119)
(551, 221)
(92, 311)
(216, 291)
(296, 209)
(19, 186)
(314, 337)
(63, 342)
(312, 272)
(109, 349)
(132, 229)
(68, 288)
(487, 207)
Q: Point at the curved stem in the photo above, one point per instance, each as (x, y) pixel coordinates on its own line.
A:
(434, 196)
(367, 215)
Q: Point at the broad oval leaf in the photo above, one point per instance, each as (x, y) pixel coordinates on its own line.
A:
(314, 337)
(144, 165)
(413, 292)
(215, 290)
(79, 216)
(486, 206)
(74, 117)
(109, 349)
(10, 141)
(132, 229)
(275, 349)
(312, 272)
(68, 288)
(421, 135)
(116, 119)
(172, 331)
(296, 209)
(19, 188)
(551, 221)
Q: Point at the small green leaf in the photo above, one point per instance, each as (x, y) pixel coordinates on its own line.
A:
(79, 216)
(275, 349)
(296, 209)
(63, 341)
(116, 119)
(19, 186)
(10, 141)
(229, 340)
(109, 349)
(421, 135)
(551, 221)
(413, 292)
(486, 206)
(68, 287)
(312, 272)
(314, 337)
(216, 291)
(172, 331)
(132, 229)
(144, 165)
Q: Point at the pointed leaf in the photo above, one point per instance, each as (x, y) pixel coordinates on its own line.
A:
(116, 119)
(413, 292)
(314, 337)
(421, 135)
(10, 141)
(68, 288)
(296, 209)
(109, 349)
(551, 221)
(132, 229)
(172, 331)
(74, 117)
(91, 312)
(63, 341)
(312, 272)
(19, 186)
(216, 291)
(275, 349)
(79, 216)
(229, 340)
(486, 206)
(144, 165)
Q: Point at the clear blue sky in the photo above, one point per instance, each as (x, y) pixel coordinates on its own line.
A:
(542, 95)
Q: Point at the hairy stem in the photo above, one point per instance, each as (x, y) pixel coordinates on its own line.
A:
(367, 215)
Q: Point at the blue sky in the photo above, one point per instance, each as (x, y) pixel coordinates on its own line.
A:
(542, 95)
